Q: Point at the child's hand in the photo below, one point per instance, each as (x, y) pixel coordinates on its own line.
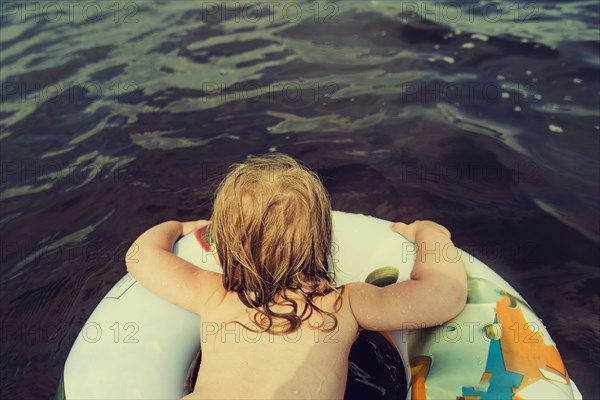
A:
(193, 226)
(410, 231)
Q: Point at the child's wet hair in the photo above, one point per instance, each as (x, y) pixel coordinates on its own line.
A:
(272, 230)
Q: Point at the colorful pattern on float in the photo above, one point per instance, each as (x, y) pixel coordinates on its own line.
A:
(496, 348)
(519, 362)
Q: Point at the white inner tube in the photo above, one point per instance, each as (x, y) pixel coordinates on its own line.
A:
(136, 345)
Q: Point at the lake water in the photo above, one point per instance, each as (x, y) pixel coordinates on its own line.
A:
(119, 115)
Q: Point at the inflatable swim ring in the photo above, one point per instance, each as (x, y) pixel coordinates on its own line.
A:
(136, 345)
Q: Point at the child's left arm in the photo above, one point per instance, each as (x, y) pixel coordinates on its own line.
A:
(150, 260)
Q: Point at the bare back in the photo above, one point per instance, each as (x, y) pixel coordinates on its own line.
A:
(308, 363)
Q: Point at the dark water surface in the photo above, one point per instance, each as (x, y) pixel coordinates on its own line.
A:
(118, 116)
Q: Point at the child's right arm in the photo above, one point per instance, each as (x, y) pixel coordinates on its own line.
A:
(436, 292)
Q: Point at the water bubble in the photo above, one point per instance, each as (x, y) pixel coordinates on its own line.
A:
(468, 45)
(272, 149)
(505, 95)
(517, 109)
(479, 36)
(577, 81)
(528, 72)
(437, 46)
(500, 77)
(567, 98)
(448, 59)
(555, 128)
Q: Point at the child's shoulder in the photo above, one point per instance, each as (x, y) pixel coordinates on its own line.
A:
(335, 303)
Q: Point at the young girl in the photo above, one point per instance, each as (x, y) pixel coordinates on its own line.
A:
(274, 325)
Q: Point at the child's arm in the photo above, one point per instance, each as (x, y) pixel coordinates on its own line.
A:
(436, 292)
(151, 261)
